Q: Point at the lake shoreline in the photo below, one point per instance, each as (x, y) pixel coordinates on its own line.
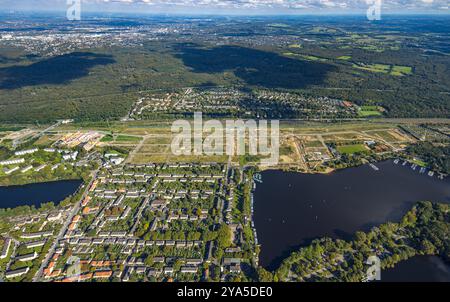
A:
(36, 194)
(326, 206)
(39, 182)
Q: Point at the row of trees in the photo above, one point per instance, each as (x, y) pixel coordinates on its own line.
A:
(438, 157)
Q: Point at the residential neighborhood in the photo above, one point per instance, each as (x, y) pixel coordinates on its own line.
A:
(152, 222)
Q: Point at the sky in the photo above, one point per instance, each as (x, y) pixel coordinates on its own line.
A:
(232, 6)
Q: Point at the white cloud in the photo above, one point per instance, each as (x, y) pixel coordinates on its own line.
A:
(268, 5)
(279, 3)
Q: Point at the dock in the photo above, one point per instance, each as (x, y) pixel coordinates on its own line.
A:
(374, 167)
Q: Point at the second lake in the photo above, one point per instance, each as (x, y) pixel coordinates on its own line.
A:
(291, 209)
(37, 194)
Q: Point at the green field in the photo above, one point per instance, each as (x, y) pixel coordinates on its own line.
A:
(395, 70)
(305, 57)
(313, 58)
(345, 58)
(107, 138)
(401, 70)
(350, 149)
(120, 138)
(373, 67)
(127, 138)
(419, 162)
(368, 111)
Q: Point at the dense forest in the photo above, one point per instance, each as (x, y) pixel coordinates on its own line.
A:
(438, 157)
(366, 65)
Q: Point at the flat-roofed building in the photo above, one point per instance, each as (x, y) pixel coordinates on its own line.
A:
(5, 249)
(17, 272)
(12, 162)
(23, 152)
(189, 269)
(33, 244)
(27, 257)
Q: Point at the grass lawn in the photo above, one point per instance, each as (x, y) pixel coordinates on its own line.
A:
(373, 67)
(395, 70)
(369, 108)
(305, 57)
(401, 70)
(106, 139)
(350, 149)
(366, 111)
(419, 162)
(313, 58)
(127, 138)
(344, 58)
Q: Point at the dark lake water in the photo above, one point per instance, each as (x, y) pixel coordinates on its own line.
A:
(36, 194)
(292, 208)
(418, 269)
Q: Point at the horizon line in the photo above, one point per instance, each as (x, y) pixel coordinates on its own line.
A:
(224, 14)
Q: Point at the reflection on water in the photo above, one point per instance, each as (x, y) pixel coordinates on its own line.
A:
(418, 269)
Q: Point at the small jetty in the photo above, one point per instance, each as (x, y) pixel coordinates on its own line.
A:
(419, 168)
(258, 178)
(374, 167)
(252, 219)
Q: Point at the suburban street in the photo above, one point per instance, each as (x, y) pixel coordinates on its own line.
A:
(63, 230)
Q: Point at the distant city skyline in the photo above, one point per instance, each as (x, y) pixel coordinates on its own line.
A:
(242, 7)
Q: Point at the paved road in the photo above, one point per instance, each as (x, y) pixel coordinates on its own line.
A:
(19, 141)
(138, 215)
(62, 232)
(133, 152)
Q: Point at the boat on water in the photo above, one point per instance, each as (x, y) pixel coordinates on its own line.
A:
(374, 167)
(258, 178)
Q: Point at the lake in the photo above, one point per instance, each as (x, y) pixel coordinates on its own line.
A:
(418, 269)
(291, 209)
(36, 194)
